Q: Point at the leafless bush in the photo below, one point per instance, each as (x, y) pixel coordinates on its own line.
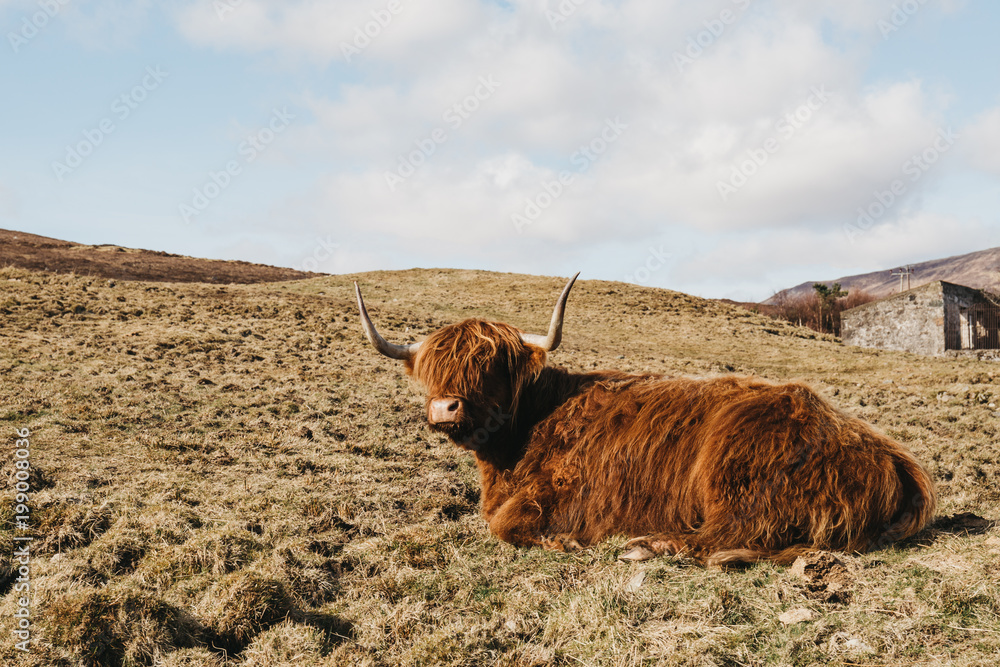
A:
(809, 310)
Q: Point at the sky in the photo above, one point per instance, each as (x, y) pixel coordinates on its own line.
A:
(723, 148)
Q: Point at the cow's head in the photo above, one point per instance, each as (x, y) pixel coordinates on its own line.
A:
(474, 371)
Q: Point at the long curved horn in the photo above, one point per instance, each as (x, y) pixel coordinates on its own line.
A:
(402, 352)
(551, 341)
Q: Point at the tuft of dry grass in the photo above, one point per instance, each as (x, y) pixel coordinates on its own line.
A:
(116, 626)
(240, 605)
(232, 476)
(287, 644)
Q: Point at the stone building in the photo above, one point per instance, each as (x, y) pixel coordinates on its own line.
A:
(931, 319)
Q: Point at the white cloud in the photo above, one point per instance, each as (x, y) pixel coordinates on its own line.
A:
(863, 15)
(683, 139)
(922, 236)
(981, 141)
(320, 30)
(690, 124)
(754, 266)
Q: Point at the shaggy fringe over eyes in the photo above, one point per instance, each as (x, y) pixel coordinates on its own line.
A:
(470, 358)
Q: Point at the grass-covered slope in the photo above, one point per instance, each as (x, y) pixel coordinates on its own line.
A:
(232, 475)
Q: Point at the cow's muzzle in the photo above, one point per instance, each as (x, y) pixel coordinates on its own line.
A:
(447, 410)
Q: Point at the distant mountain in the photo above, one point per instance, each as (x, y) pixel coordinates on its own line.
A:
(40, 253)
(976, 269)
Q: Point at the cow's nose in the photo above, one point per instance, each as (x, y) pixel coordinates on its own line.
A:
(444, 410)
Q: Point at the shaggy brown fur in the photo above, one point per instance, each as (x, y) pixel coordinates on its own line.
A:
(728, 470)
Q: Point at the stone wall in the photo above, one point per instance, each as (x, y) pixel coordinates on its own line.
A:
(924, 320)
(913, 321)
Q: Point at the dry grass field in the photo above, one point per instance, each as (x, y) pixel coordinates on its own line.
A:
(233, 476)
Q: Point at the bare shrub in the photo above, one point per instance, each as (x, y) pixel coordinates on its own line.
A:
(808, 310)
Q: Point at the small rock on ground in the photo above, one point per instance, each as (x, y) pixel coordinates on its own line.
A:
(800, 615)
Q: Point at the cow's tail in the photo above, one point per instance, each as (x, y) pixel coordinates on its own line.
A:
(916, 502)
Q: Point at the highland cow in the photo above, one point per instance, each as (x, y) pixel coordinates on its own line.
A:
(728, 470)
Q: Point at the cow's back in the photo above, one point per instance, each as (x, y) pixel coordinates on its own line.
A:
(748, 462)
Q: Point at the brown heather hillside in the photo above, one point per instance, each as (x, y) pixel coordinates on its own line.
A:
(233, 476)
(40, 253)
(975, 269)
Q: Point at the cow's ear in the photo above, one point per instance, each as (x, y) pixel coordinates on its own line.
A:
(536, 360)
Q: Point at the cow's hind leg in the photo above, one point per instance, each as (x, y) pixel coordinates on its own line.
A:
(651, 546)
(522, 521)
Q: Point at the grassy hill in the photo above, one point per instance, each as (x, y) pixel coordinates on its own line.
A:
(232, 475)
